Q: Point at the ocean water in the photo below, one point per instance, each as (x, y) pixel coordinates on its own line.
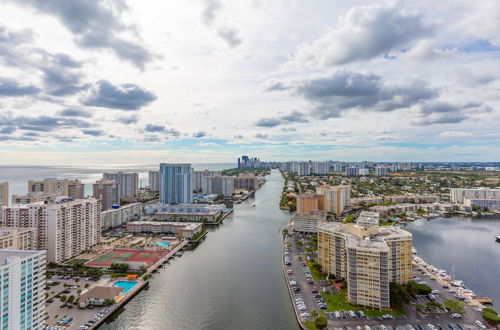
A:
(18, 176)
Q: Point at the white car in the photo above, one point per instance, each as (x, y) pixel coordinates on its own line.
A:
(304, 315)
(480, 324)
(456, 315)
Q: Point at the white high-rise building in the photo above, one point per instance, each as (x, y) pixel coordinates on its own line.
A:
(337, 167)
(65, 227)
(352, 171)
(129, 182)
(220, 185)
(364, 171)
(381, 171)
(320, 167)
(22, 274)
(154, 180)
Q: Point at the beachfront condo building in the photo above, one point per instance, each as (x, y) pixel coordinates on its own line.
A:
(176, 183)
(22, 293)
(368, 257)
(65, 227)
(336, 198)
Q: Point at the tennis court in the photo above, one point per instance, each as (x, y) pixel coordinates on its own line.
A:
(127, 255)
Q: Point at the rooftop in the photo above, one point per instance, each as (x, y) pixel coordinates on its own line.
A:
(5, 255)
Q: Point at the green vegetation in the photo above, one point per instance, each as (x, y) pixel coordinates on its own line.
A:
(454, 306)
(321, 322)
(350, 218)
(119, 267)
(315, 269)
(198, 235)
(399, 295)
(146, 277)
(491, 316)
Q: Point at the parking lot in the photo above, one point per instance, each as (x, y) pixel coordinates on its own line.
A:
(306, 299)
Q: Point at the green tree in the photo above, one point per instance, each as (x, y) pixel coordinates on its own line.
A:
(314, 313)
(491, 315)
(398, 295)
(321, 322)
(455, 306)
(62, 298)
(70, 299)
(119, 267)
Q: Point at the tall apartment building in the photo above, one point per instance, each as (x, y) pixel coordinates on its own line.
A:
(58, 187)
(18, 238)
(245, 181)
(301, 168)
(308, 223)
(336, 198)
(352, 171)
(76, 189)
(337, 167)
(65, 227)
(309, 202)
(4, 193)
(458, 195)
(320, 167)
(176, 183)
(220, 185)
(22, 274)
(154, 180)
(129, 182)
(381, 171)
(108, 192)
(368, 257)
(199, 177)
(364, 171)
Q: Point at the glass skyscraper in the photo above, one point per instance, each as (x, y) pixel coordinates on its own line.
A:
(176, 183)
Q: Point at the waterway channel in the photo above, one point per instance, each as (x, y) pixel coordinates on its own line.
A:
(232, 280)
(465, 245)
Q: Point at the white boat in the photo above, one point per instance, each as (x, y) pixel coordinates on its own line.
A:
(497, 238)
(253, 204)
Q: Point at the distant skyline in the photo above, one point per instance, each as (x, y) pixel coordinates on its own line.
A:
(207, 81)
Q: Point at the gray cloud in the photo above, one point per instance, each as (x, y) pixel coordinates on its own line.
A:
(7, 129)
(154, 128)
(439, 112)
(125, 96)
(209, 17)
(261, 136)
(363, 33)
(75, 113)
(42, 123)
(93, 132)
(345, 90)
(267, 122)
(96, 24)
(10, 87)
(199, 134)
(238, 136)
(128, 120)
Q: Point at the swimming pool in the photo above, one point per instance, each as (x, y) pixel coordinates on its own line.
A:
(162, 243)
(126, 285)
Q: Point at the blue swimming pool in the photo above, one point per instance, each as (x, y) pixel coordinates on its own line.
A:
(126, 285)
(162, 243)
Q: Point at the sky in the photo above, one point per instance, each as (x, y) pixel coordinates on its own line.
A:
(84, 82)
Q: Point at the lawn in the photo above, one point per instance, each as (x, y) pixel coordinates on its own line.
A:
(338, 302)
(316, 274)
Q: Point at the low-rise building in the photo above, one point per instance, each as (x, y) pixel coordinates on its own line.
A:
(22, 274)
(98, 295)
(119, 216)
(18, 238)
(186, 212)
(307, 222)
(368, 218)
(32, 197)
(363, 201)
(484, 204)
(181, 229)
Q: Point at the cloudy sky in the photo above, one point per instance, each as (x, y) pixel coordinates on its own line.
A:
(207, 80)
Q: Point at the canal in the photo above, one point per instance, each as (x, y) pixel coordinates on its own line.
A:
(232, 280)
(465, 245)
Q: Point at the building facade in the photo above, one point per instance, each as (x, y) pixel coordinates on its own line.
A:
(368, 257)
(181, 229)
(154, 180)
(336, 198)
(320, 167)
(117, 217)
(76, 189)
(22, 274)
(308, 223)
(108, 192)
(307, 203)
(65, 227)
(176, 183)
(199, 178)
(128, 182)
(381, 171)
(18, 238)
(458, 195)
(4, 193)
(219, 185)
(58, 187)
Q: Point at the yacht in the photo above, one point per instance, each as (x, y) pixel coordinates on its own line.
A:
(498, 238)
(253, 204)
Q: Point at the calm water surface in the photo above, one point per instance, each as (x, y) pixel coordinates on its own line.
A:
(465, 244)
(232, 280)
